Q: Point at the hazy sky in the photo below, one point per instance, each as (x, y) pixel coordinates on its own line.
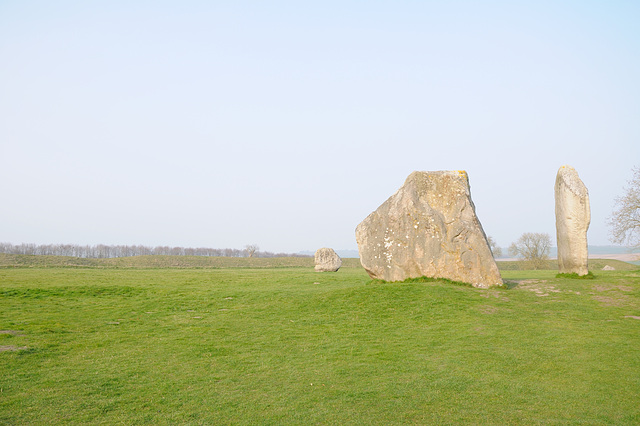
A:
(285, 123)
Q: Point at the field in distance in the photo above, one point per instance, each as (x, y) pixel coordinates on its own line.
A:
(288, 345)
(160, 261)
(186, 262)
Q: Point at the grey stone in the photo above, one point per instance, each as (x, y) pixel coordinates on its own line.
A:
(428, 228)
(573, 215)
(327, 260)
(608, 268)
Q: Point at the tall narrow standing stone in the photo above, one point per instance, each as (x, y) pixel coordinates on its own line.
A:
(428, 228)
(573, 215)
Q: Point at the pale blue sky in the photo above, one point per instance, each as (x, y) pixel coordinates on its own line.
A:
(284, 124)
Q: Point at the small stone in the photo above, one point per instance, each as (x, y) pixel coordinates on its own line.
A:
(327, 260)
(608, 268)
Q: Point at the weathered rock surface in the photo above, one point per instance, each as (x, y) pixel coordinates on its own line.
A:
(573, 215)
(608, 268)
(327, 260)
(428, 228)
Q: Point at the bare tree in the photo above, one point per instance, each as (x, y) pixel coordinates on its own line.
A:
(624, 223)
(251, 249)
(497, 251)
(533, 247)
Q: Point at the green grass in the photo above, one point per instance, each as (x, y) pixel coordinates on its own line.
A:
(423, 280)
(204, 262)
(291, 346)
(574, 276)
(156, 262)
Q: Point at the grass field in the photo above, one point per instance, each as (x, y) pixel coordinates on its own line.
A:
(202, 262)
(155, 262)
(282, 345)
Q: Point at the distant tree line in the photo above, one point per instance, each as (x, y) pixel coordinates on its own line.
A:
(107, 251)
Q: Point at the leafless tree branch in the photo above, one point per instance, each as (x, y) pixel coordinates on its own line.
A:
(624, 222)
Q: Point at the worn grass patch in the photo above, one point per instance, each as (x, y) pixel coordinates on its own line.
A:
(291, 346)
(552, 265)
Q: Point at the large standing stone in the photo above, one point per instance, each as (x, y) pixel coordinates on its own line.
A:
(327, 260)
(428, 228)
(573, 216)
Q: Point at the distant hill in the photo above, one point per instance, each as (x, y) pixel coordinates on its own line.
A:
(160, 261)
(342, 253)
(593, 251)
(611, 250)
(595, 265)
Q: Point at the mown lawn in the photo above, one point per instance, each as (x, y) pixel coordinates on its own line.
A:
(288, 345)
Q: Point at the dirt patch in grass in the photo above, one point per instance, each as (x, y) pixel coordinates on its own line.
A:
(632, 316)
(613, 295)
(616, 301)
(539, 287)
(488, 309)
(529, 282)
(12, 332)
(602, 288)
(495, 295)
(11, 348)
